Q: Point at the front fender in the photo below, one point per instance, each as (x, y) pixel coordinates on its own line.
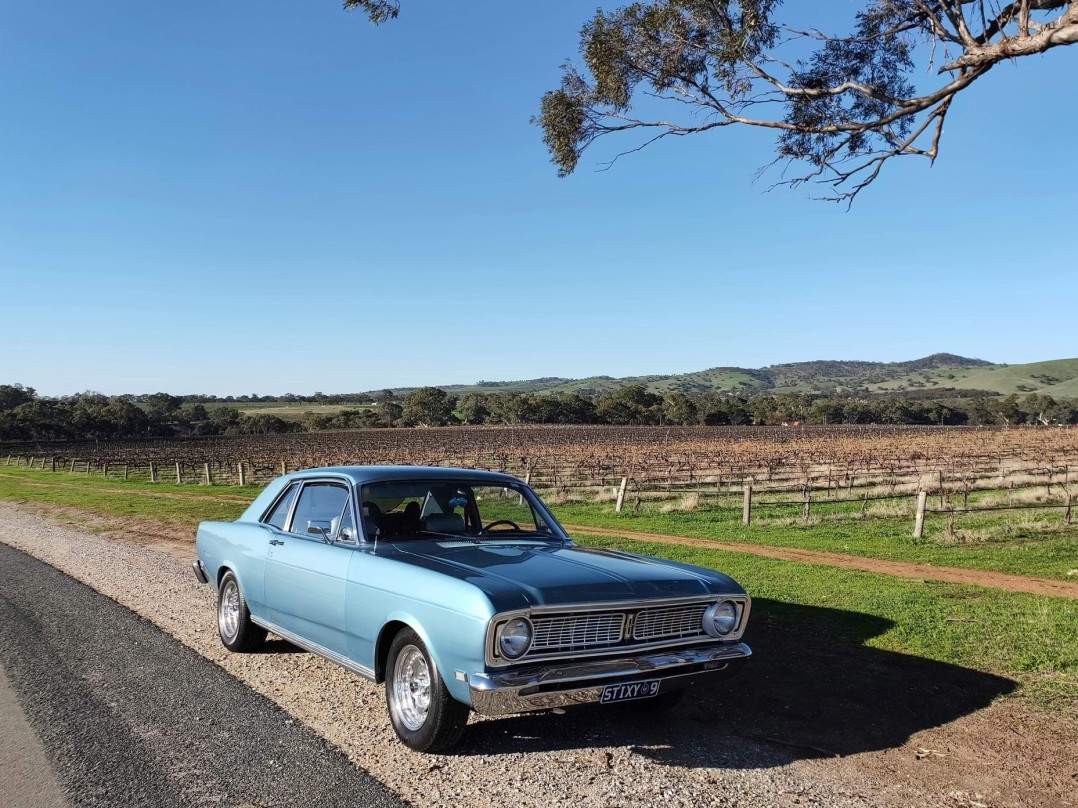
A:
(454, 641)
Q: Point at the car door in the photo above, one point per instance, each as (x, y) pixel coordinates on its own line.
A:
(307, 564)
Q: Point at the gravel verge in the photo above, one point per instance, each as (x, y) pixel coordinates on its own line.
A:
(587, 757)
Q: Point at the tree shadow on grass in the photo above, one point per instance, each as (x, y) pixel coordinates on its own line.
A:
(812, 689)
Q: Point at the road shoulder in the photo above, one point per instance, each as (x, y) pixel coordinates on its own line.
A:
(27, 778)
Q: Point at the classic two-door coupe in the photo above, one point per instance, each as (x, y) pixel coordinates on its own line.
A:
(460, 591)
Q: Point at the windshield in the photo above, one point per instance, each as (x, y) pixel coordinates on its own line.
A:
(409, 509)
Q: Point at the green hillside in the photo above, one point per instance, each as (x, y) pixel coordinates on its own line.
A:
(943, 372)
(1058, 377)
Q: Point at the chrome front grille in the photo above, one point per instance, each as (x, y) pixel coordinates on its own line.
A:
(617, 628)
(576, 632)
(673, 622)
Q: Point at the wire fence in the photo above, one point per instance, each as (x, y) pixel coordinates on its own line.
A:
(820, 491)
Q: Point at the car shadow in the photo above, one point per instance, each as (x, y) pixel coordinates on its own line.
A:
(812, 689)
(277, 645)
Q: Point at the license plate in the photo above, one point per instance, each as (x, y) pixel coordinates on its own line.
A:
(627, 692)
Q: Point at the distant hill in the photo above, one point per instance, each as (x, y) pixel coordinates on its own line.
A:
(941, 372)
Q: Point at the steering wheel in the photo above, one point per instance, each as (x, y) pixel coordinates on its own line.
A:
(514, 525)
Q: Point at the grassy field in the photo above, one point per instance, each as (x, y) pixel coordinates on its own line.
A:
(1027, 638)
(1035, 543)
(180, 505)
(294, 411)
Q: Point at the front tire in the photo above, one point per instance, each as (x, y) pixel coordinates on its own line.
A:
(234, 625)
(424, 716)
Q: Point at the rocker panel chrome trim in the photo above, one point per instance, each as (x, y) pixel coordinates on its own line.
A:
(317, 650)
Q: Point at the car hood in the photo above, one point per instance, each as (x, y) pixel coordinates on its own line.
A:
(517, 575)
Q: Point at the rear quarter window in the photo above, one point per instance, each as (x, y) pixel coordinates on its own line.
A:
(278, 514)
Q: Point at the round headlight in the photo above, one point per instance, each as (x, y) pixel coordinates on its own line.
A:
(721, 619)
(514, 638)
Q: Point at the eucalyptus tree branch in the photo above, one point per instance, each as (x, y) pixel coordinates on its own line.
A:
(847, 108)
(379, 11)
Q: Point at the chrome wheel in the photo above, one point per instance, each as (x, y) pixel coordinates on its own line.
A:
(424, 714)
(228, 612)
(410, 694)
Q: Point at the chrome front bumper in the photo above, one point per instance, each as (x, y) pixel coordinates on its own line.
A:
(547, 687)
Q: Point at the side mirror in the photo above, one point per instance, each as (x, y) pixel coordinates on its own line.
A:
(320, 527)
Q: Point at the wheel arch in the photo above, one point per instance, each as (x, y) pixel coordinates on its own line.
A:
(394, 624)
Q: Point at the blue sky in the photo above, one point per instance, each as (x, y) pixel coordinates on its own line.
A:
(270, 197)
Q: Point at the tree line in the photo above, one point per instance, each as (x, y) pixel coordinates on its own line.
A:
(24, 415)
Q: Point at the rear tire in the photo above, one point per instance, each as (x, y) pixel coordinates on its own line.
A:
(424, 716)
(234, 625)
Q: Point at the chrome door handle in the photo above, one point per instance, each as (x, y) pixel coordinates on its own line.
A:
(276, 542)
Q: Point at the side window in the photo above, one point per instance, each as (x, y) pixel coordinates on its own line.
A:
(279, 513)
(319, 508)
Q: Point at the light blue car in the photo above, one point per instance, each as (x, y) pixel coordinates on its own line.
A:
(461, 592)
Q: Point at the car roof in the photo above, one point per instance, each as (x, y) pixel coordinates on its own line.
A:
(370, 474)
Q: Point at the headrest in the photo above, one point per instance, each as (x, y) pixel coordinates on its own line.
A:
(444, 523)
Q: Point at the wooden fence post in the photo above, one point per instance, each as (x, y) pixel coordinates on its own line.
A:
(125, 470)
(621, 494)
(72, 469)
(31, 464)
(1067, 509)
(746, 508)
(179, 474)
(87, 468)
(919, 518)
(105, 469)
(284, 468)
(209, 478)
(8, 461)
(153, 472)
(808, 502)
(243, 479)
(527, 481)
(53, 468)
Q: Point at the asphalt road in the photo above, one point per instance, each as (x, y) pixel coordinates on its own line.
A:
(128, 716)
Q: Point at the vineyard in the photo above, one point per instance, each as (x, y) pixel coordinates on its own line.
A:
(704, 466)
